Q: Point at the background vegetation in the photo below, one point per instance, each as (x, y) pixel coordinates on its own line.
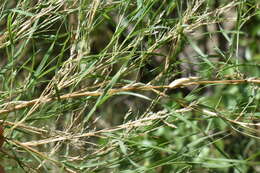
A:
(130, 85)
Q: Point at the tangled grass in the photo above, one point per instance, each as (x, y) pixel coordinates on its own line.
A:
(130, 86)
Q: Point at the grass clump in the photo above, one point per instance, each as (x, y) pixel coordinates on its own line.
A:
(130, 86)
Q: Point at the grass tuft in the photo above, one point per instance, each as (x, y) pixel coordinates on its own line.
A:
(129, 86)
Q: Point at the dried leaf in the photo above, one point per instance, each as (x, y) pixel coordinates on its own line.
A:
(2, 169)
(2, 139)
(182, 81)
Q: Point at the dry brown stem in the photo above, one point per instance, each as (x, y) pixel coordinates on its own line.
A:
(25, 104)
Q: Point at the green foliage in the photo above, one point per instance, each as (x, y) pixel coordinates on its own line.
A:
(85, 86)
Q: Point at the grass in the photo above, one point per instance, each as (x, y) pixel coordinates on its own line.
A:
(130, 86)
